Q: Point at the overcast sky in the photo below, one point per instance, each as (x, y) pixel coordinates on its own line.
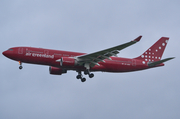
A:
(88, 26)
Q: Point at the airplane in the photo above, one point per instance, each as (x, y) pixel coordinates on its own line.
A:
(60, 62)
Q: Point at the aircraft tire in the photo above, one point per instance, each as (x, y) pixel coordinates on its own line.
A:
(85, 72)
(78, 76)
(83, 79)
(91, 75)
(20, 67)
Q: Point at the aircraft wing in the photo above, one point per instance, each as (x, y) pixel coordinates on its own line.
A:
(93, 58)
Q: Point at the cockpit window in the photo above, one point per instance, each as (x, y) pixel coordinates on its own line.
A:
(10, 49)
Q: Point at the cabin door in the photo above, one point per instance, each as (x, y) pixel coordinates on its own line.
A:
(20, 51)
(46, 52)
(133, 62)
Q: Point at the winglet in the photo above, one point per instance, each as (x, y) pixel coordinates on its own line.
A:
(137, 39)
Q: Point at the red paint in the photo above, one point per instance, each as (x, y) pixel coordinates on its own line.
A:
(117, 64)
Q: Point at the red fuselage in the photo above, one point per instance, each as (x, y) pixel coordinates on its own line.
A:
(48, 57)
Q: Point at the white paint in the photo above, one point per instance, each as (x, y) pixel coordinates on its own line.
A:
(159, 58)
(152, 56)
(149, 59)
(163, 44)
(156, 57)
(145, 59)
(149, 52)
(149, 49)
(146, 53)
(156, 50)
(146, 56)
(159, 47)
(166, 41)
(143, 62)
(142, 56)
(149, 56)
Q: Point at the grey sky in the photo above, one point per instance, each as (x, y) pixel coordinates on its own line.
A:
(89, 26)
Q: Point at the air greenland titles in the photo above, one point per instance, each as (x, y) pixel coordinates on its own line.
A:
(40, 55)
(60, 62)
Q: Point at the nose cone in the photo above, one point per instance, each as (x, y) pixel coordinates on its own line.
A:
(5, 53)
(10, 54)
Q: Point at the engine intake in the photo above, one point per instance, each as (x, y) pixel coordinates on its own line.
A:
(56, 71)
(68, 61)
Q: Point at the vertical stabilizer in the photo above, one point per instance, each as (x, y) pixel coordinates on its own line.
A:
(155, 52)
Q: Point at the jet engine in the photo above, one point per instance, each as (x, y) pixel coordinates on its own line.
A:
(56, 71)
(68, 62)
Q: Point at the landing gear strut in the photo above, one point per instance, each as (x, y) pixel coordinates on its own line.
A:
(20, 63)
(91, 75)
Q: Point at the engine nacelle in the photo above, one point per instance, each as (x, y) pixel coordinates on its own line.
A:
(56, 71)
(68, 62)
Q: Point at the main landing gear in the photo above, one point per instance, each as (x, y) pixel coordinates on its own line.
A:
(80, 76)
(86, 72)
(20, 63)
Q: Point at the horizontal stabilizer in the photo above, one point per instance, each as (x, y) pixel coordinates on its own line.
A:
(159, 62)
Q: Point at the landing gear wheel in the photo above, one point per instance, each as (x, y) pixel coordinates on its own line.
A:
(20, 67)
(83, 79)
(91, 75)
(78, 77)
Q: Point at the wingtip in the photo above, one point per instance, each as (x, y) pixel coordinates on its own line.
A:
(137, 39)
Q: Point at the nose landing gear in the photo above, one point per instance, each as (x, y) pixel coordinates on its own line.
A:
(20, 63)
